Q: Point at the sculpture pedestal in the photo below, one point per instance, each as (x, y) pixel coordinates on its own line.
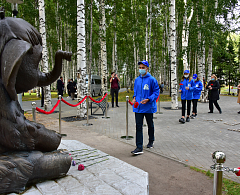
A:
(103, 174)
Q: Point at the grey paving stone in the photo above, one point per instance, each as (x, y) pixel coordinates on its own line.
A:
(50, 188)
(102, 176)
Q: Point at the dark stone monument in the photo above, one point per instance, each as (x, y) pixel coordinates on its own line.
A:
(28, 151)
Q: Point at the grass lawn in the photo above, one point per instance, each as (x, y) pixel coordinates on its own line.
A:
(33, 96)
(121, 96)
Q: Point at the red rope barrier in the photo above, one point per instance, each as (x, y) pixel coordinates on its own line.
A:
(158, 97)
(99, 100)
(50, 112)
(132, 103)
(75, 104)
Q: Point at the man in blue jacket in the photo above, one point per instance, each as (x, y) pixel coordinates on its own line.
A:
(146, 92)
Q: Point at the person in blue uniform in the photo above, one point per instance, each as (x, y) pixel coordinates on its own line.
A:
(186, 90)
(198, 86)
(146, 92)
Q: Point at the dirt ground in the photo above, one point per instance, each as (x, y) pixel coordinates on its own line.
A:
(165, 175)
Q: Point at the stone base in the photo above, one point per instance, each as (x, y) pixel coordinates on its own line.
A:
(103, 174)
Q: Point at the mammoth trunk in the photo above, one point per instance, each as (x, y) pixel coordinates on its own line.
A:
(48, 78)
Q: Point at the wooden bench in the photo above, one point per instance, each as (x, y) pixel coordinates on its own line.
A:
(101, 105)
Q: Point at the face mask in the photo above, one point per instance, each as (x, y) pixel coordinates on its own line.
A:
(186, 76)
(212, 79)
(142, 71)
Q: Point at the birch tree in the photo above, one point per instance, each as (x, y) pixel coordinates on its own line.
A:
(42, 30)
(149, 37)
(115, 65)
(172, 50)
(185, 35)
(146, 36)
(81, 59)
(90, 51)
(199, 52)
(103, 47)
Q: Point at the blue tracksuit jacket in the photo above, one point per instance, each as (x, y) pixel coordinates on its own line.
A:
(146, 88)
(198, 86)
(186, 94)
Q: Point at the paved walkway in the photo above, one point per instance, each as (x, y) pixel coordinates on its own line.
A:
(191, 143)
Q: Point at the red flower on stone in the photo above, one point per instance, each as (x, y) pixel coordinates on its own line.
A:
(80, 167)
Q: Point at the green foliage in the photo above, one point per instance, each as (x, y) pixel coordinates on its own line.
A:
(128, 18)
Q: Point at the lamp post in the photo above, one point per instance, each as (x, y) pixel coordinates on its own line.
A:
(15, 6)
(15, 12)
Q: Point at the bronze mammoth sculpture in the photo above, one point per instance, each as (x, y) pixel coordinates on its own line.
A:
(26, 147)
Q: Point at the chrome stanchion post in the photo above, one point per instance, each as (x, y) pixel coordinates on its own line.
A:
(127, 137)
(34, 111)
(60, 110)
(87, 108)
(106, 117)
(87, 124)
(106, 106)
(127, 98)
(219, 158)
(159, 105)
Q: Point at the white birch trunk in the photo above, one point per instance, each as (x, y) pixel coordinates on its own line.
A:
(203, 60)
(90, 53)
(199, 54)
(146, 38)
(172, 49)
(42, 30)
(115, 52)
(209, 63)
(210, 53)
(81, 59)
(185, 35)
(103, 48)
(113, 57)
(149, 38)
(135, 57)
(164, 52)
(167, 51)
(134, 43)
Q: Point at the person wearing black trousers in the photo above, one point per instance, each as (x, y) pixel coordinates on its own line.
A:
(213, 94)
(42, 98)
(198, 86)
(186, 90)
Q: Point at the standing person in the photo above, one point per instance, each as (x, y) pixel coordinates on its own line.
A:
(68, 89)
(42, 97)
(238, 92)
(60, 86)
(162, 86)
(146, 91)
(213, 94)
(114, 87)
(198, 86)
(72, 88)
(186, 90)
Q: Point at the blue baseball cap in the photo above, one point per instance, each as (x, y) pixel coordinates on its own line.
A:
(186, 71)
(194, 76)
(144, 62)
